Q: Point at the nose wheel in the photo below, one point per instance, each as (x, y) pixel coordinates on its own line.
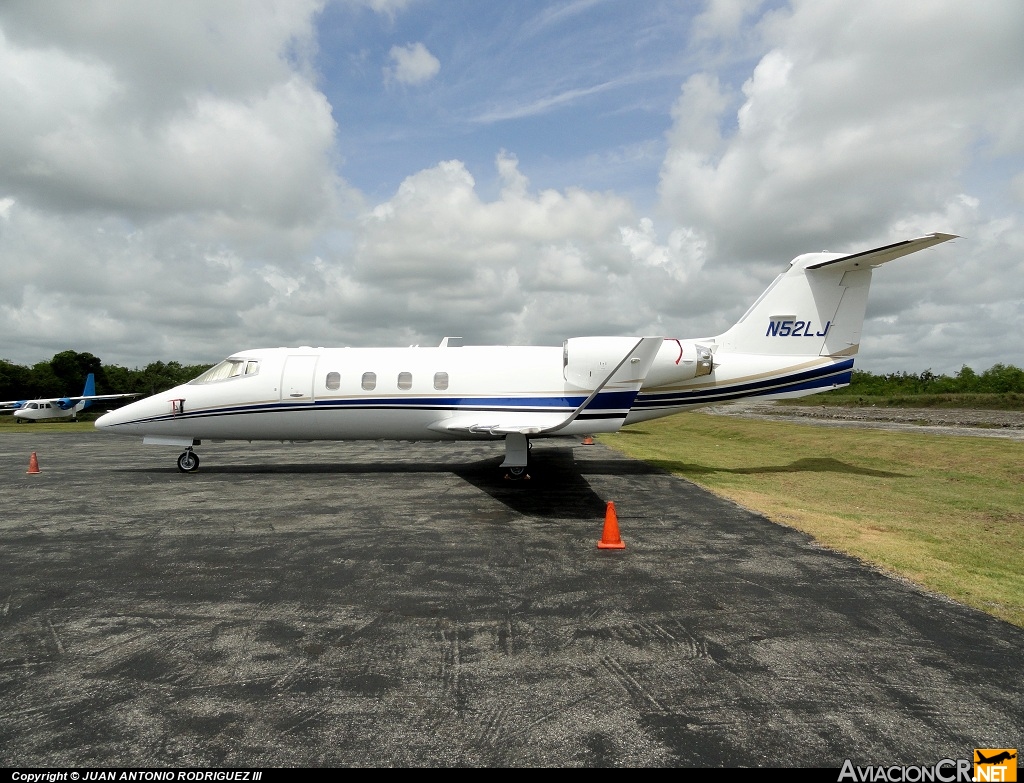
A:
(188, 462)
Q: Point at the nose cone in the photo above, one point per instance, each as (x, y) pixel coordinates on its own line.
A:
(104, 421)
(120, 416)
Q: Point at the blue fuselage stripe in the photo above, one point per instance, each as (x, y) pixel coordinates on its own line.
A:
(607, 405)
(834, 374)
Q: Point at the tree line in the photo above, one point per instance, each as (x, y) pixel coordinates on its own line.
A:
(997, 379)
(64, 376)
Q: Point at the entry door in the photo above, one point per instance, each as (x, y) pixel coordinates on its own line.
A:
(297, 379)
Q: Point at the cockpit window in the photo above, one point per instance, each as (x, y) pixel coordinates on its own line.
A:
(229, 368)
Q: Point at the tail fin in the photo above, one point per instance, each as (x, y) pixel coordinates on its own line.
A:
(816, 307)
(89, 391)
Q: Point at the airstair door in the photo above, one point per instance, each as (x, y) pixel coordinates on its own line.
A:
(297, 379)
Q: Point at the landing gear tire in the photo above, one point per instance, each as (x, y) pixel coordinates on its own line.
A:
(188, 462)
(517, 473)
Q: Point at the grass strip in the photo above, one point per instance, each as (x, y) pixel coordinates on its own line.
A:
(945, 512)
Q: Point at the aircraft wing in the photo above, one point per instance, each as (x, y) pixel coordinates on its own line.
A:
(622, 384)
(94, 397)
(491, 423)
(70, 402)
(65, 403)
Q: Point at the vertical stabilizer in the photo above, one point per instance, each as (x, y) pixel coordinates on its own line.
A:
(817, 306)
(90, 391)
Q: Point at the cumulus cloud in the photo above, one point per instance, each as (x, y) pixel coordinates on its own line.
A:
(170, 185)
(855, 128)
(144, 114)
(412, 64)
(490, 268)
(723, 18)
(844, 123)
(140, 151)
(388, 8)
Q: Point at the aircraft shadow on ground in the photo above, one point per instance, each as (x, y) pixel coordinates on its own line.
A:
(806, 465)
(556, 485)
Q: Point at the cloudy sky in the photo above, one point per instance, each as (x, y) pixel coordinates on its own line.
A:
(180, 180)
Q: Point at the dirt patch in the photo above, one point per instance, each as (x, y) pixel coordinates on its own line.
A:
(1000, 424)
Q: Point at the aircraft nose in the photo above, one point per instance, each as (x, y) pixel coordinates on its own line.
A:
(111, 418)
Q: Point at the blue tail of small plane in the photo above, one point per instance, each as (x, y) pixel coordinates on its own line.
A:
(89, 391)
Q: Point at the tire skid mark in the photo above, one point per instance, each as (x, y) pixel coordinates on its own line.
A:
(118, 643)
(658, 632)
(68, 711)
(286, 679)
(492, 726)
(312, 715)
(557, 711)
(229, 684)
(56, 637)
(631, 685)
(696, 645)
(451, 671)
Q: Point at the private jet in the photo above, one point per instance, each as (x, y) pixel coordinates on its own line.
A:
(800, 337)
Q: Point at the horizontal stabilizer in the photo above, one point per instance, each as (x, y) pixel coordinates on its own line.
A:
(880, 255)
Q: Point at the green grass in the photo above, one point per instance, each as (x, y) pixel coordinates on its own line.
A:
(944, 512)
(84, 424)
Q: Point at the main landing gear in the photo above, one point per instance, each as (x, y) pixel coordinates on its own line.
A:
(517, 451)
(188, 462)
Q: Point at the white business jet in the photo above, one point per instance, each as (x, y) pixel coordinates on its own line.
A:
(798, 338)
(59, 407)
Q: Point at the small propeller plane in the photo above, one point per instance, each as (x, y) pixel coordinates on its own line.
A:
(59, 407)
(800, 337)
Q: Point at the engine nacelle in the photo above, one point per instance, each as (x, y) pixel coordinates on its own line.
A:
(587, 361)
(680, 360)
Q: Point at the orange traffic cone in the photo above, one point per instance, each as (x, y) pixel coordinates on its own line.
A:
(610, 539)
(588, 441)
(33, 464)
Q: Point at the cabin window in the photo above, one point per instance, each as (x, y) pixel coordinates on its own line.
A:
(404, 380)
(369, 381)
(333, 380)
(440, 381)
